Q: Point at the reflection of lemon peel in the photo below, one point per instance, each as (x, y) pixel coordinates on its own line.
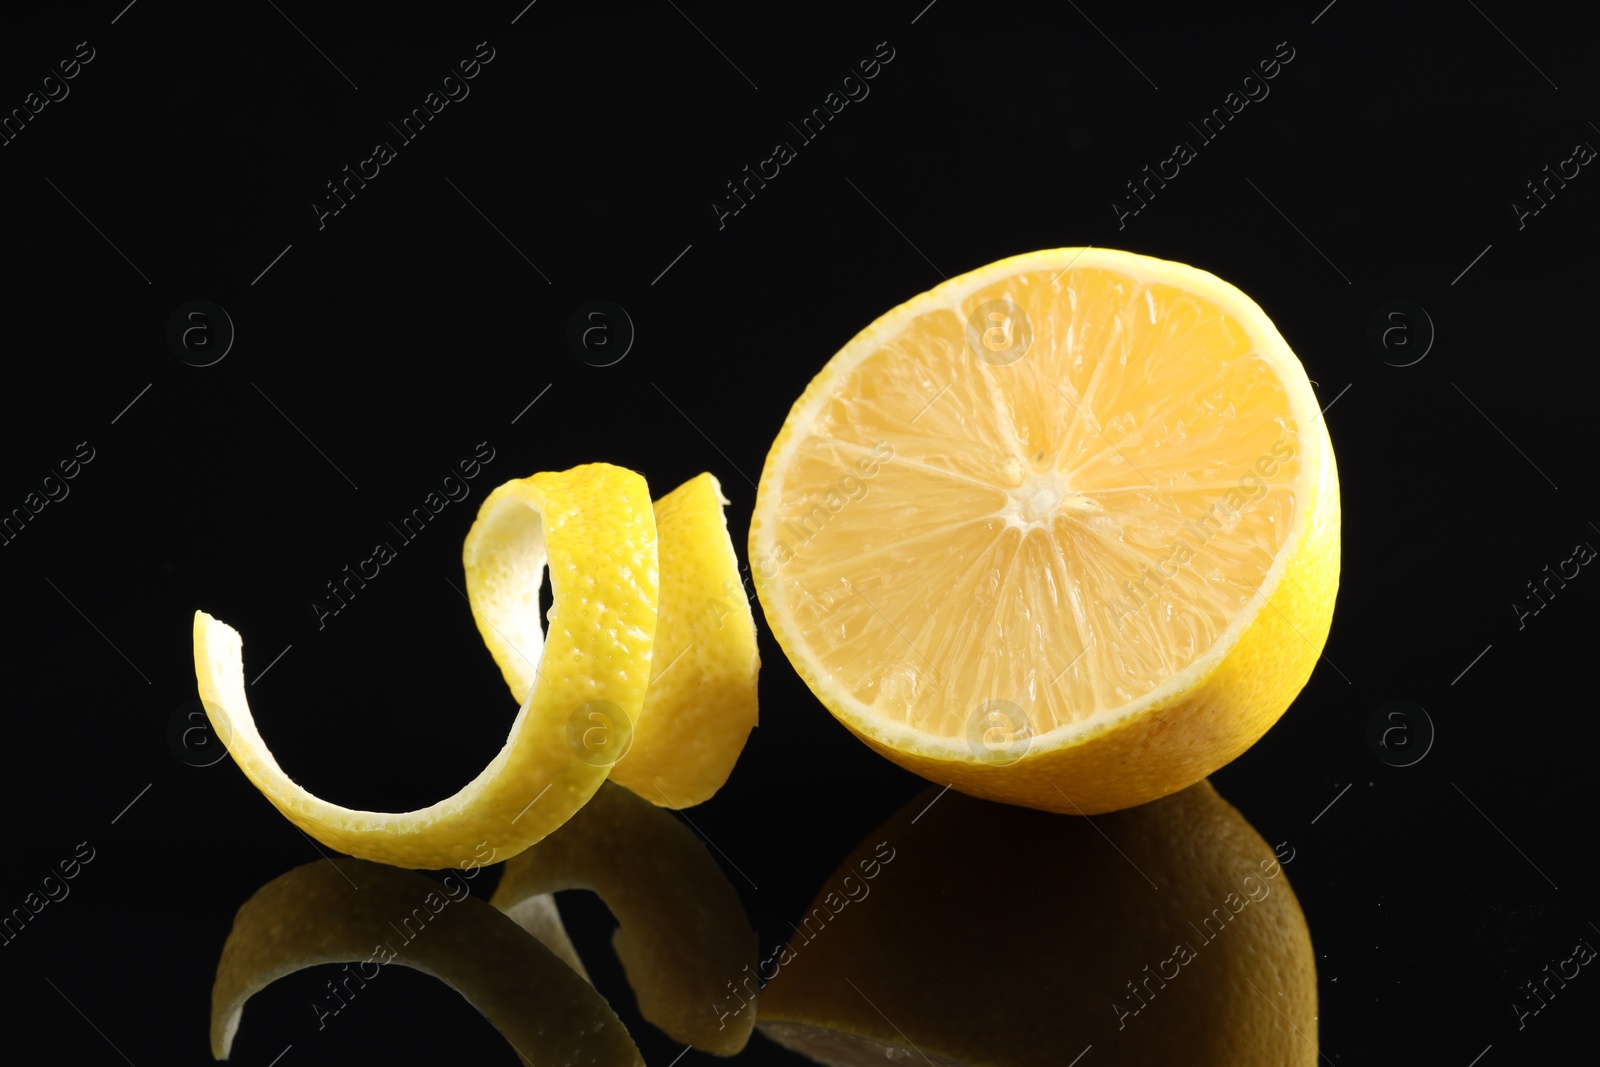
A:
(701, 704)
(682, 932)
(1062, 927)
(315, 915)
(597, 525)
(540, 916)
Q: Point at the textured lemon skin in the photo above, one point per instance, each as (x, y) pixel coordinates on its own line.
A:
(1172, 743)
(599, 528)
(701, 704)
(600, 538)
(999, 937)
(682, 931)
(312, 915)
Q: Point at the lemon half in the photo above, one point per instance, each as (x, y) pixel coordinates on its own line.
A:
(1062, 531)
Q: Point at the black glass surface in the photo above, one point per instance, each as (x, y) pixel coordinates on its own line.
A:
(260, 307)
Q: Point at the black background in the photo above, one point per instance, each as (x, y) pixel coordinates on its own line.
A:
(379, 349)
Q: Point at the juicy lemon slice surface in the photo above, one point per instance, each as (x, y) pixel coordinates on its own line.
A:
(595, 528)
(1062, 531)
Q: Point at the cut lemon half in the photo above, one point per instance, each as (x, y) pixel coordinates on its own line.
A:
(595, 527)
(1062, 531)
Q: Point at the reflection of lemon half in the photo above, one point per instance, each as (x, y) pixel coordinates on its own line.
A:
(595, 527)
(316, 914)
(682, 933)
(1069, 520)
(1166, 934)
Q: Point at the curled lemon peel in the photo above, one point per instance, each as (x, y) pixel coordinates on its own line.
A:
(594, 527)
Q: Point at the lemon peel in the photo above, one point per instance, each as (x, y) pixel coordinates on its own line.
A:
(595, 528)
(680, 747)
(701, 704)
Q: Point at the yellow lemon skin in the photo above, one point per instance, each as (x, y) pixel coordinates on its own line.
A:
(596, 527)
(702, 701)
